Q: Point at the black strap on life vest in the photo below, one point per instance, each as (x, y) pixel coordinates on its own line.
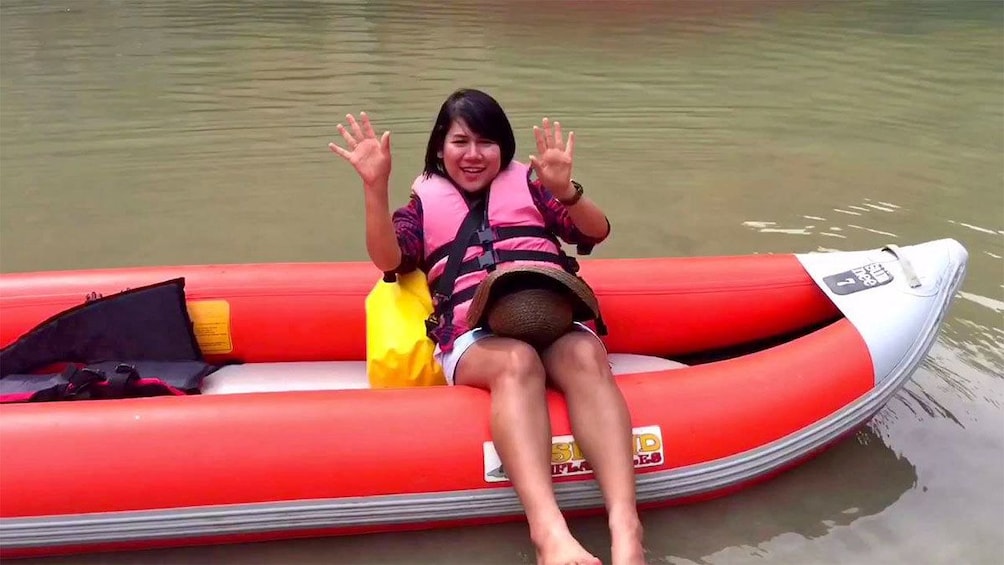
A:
(107, 380)
(476, 230)
(495, 234)
(46, 388)
(442, 287)
(492, 257)
(151, 378)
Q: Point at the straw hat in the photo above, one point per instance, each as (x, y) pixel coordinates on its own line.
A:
(534, 303)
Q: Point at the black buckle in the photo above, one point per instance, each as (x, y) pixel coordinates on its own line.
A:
(431, 323)
(487, 259)
(121, 380)
(486, 235)
(125, 368)
(81, 380)
(573, 264)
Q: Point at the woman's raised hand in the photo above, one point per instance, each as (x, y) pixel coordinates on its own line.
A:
(368, 155)
(553, 162)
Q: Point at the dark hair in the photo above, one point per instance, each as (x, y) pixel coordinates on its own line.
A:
(482, 114)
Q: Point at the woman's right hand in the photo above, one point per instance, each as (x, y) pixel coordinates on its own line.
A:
(368, 155)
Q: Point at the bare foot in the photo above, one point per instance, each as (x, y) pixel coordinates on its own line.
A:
(560, 548)
(626, 543)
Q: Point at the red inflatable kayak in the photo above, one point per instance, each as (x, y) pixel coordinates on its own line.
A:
(734, 368)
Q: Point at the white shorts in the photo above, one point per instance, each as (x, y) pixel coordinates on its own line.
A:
(450, 360)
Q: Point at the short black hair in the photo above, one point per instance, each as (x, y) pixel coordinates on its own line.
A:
(482, 114)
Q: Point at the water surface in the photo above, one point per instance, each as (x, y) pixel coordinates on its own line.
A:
(156, 132)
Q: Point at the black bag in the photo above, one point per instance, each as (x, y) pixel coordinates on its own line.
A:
(127, 341)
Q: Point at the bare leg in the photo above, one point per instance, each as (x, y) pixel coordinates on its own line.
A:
(577, 364)
(521, 430)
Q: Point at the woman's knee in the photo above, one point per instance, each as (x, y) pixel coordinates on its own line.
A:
(577, 361)
(494, 362)
(579, 352)
(521, 365)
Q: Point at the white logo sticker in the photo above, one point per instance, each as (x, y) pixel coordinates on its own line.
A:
(567, 459)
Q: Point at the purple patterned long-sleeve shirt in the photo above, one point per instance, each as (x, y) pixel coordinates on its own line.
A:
(410, 238)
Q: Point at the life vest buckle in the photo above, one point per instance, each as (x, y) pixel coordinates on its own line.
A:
(486, 235)
(488, 259)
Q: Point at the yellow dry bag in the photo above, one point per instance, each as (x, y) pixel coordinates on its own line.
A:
(398, 351)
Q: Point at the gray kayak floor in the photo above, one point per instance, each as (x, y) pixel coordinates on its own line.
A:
(344, 375)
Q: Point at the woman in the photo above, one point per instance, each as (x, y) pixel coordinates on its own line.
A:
(470, 153)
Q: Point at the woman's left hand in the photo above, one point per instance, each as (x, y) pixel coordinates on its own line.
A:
(554, 163)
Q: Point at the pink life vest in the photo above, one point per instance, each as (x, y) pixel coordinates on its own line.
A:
(513, 231)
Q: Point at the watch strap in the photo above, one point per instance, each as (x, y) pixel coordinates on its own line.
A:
(575, 197)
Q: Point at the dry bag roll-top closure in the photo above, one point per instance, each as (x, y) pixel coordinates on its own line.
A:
(139, 342)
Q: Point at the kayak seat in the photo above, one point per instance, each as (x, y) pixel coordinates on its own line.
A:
(343, 375)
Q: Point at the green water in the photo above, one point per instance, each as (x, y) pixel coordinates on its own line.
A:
(156, 132)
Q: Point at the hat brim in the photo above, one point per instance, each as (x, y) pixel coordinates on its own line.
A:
(508, 279)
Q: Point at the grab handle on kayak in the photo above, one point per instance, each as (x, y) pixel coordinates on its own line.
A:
(908, 272)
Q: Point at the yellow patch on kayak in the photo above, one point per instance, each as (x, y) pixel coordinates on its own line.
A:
(211, 321)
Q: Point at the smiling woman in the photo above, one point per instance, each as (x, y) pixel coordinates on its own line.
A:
(471, 141)
(472, 161)
(472, 211)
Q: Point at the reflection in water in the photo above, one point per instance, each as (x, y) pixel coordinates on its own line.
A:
(158, 132)
(928, 403)
(820, 225)
(821, 495)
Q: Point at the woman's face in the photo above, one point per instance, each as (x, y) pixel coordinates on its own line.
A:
(470, 160)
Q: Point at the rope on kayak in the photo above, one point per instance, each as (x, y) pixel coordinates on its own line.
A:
(908, 272)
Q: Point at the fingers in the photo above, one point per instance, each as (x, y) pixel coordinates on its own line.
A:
(535, 165)
(358, 133)
(349, 140)
(353, 138)
(570, 148)
(548, 136)
(367, 127)
(538, 134)
(385, 141)
(339, 151)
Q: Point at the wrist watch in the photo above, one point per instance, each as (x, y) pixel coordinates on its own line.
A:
(575, 197)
